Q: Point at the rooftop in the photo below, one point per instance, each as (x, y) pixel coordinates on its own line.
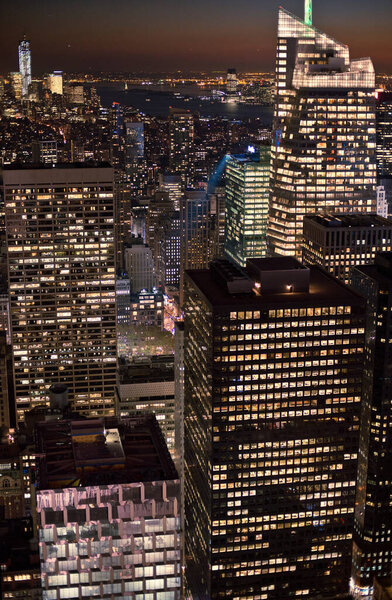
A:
(287, 283)
(146, 370)
(101, 452)
(349, 220)
(57, 166)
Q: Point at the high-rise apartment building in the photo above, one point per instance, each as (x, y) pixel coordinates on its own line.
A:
(181, 138)
(108, 510)
(384, 133)
(25, 65)
(273, 375)
(246, 209)
(60, 239)
(323, 146)
(338, 243)
(372, 555)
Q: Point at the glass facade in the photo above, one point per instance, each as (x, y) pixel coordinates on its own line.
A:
(271, 416)
(108, 511)
(119, 541)
(323, 147)
(372, 555)
(60, 239)
(246, 208)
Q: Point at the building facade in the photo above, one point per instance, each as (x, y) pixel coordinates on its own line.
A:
(384, 133)
(273, 362)
(181, 145)
(338, 243)
(372, 555)
(147, 385)
(60, 239)
(246, 208)
(25, 65)
(323, 145)
(108, 511)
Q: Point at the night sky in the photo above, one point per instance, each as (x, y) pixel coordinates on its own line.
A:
(159, 35)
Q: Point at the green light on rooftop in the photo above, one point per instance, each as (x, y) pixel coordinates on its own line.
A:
(308, 12)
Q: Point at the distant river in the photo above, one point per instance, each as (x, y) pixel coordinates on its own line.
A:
(156, 101)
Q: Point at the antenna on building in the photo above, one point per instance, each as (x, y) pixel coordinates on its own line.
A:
(308, 12)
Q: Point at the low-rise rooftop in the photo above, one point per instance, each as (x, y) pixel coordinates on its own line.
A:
(101, 452)
(349, 220)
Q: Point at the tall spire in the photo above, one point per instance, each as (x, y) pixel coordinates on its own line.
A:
(308, 12)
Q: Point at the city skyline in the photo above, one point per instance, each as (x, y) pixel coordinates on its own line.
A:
(230, 36)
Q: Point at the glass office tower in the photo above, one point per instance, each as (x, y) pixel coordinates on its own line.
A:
(372, 554)
(60, 241)
(323, 147)
(273, 375)
(246, 209)
(25, 65)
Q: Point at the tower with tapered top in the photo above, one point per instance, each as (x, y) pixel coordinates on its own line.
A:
(323, 149)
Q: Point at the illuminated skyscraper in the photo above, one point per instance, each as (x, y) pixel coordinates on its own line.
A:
(181, 131)
(323, 149)
(246, 209)
(231, 84)
(372, 554)
(16, 84)
(135, 164)
(108, 510)
(171, 184)
(25, 65)
(384, 133)
(54, 82)
(60, 239)
(273, 360)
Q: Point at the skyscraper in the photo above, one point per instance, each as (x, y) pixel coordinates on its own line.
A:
(172, 185)
(108, 510)
(60, 239)
(135, 164)
(372, 554)
(338, 243)
(384, 133)
(54, 82)
(16, 84)
(246, 208)
(323, 148)
(273, 361)
(181, 132)
(25, 65)
(231, 84)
